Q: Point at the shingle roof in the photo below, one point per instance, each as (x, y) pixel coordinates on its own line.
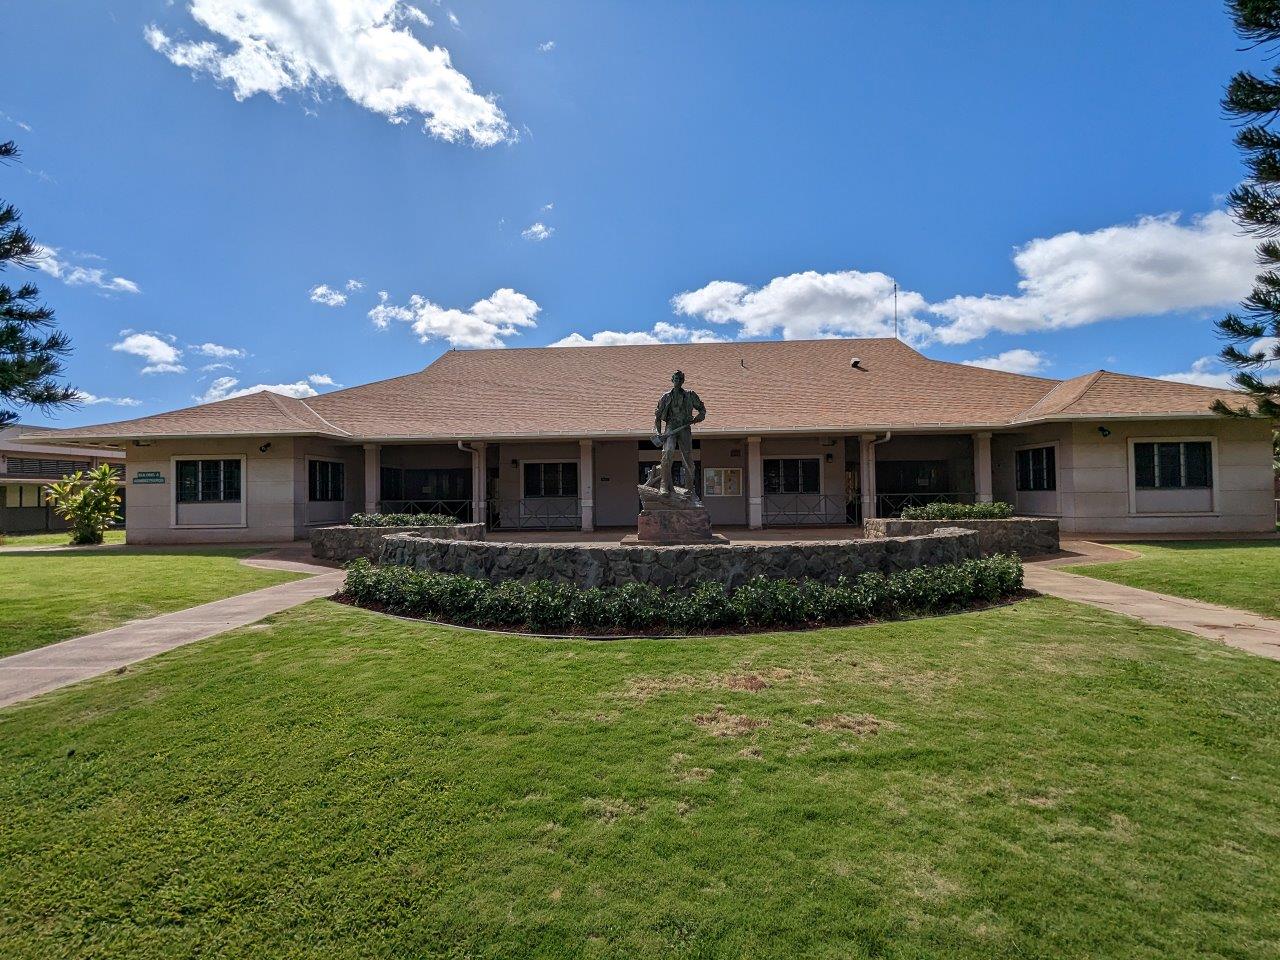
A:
(748, 387)
(260, 413)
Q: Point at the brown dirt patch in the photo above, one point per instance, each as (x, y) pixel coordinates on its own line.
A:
(608, 809)
(751, 753)
(862, 725)
(743, 680)
(721, 723)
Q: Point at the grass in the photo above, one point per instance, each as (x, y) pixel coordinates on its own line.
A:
(1037, 780)
(1234, 573)
(60, 539)
(46, 597)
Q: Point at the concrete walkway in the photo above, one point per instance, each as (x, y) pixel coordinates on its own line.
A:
(33, 672)
(1237, 628)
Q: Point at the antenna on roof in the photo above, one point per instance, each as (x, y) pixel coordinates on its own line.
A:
(895, 309)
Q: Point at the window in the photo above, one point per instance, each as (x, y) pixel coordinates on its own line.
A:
(551, 479)
(1037, 468)
(45, 468)
(722, 482)
(1178, 464)
(792, 475)
(208, 481)
(326, 480)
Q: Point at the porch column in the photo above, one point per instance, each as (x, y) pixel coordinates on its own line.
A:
(479, 482)
(982, 467)
(755, 484)
(586, 484)
(867, 474)
(372, 476)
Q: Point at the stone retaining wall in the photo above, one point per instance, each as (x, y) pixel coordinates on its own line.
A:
(1025, 536)
(589, 565)
(346, 543)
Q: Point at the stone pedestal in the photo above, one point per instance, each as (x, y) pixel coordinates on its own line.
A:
(673, 517)
(659, 525)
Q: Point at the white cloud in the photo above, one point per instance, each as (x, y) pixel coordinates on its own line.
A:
(412, 14)
(1011, 361)
(486, 323)
(537, 232)
(353, 285)
(361, 47)
(225, 388)
(547, 47)
(210, 367)
(161, 355)
(809, 305)
(48, 260)
(218, 351)
(453, 19)
(323, 293)
(321, 380)
(1154, 266)
(661, 333)
(1212, 372)
(91, 399)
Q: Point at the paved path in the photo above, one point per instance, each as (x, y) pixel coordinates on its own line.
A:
(1238, 628)
(38, 671)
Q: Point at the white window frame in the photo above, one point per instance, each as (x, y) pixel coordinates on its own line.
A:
(562, 496)
(1213, 487)
(309, 459)
(1057, 475)
(822, 473)
(172, 481)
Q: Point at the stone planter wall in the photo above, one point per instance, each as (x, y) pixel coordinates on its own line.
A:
(1025, 536)
(346, 543)
(683, 566)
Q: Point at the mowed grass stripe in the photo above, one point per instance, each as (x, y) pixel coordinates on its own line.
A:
(1041, 779)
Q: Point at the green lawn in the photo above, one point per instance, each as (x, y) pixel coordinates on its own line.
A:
(48, 596)
(1036, 780)
(61, 539)
(1235, 573)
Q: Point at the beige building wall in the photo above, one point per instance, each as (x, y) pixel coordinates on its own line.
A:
(1095, 478)
(273, 508)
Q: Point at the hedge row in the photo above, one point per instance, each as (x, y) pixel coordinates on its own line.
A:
(546, 607)
(402, 520)
(959, 511)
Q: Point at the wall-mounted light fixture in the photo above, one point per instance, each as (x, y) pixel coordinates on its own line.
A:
(265, 447)
(1104, 431)
(830, 458)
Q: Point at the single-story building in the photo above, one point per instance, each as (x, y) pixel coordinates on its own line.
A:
(797, 432)
(27, 469)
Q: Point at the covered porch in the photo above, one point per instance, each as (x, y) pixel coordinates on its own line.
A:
(750, 483)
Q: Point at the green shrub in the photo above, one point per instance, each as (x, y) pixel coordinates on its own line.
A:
(402, 520)
(959, 511)
(760, 603)
(88, 500)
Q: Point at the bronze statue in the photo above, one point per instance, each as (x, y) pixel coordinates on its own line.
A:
(678, 410)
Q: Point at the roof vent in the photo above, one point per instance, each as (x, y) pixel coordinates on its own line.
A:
(857, 364)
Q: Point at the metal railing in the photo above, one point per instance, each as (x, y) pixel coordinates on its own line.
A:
(535, 513)
(808, 509)
(892, 504)
(459, 509)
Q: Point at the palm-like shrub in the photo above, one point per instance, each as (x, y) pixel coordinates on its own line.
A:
(88, 500)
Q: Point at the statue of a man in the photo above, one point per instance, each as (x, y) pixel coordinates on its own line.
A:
(678, 410)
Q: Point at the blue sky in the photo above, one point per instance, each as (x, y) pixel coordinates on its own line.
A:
(520, 173)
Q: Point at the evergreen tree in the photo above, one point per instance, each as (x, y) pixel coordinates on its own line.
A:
(1253, 334)
(31, 350)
